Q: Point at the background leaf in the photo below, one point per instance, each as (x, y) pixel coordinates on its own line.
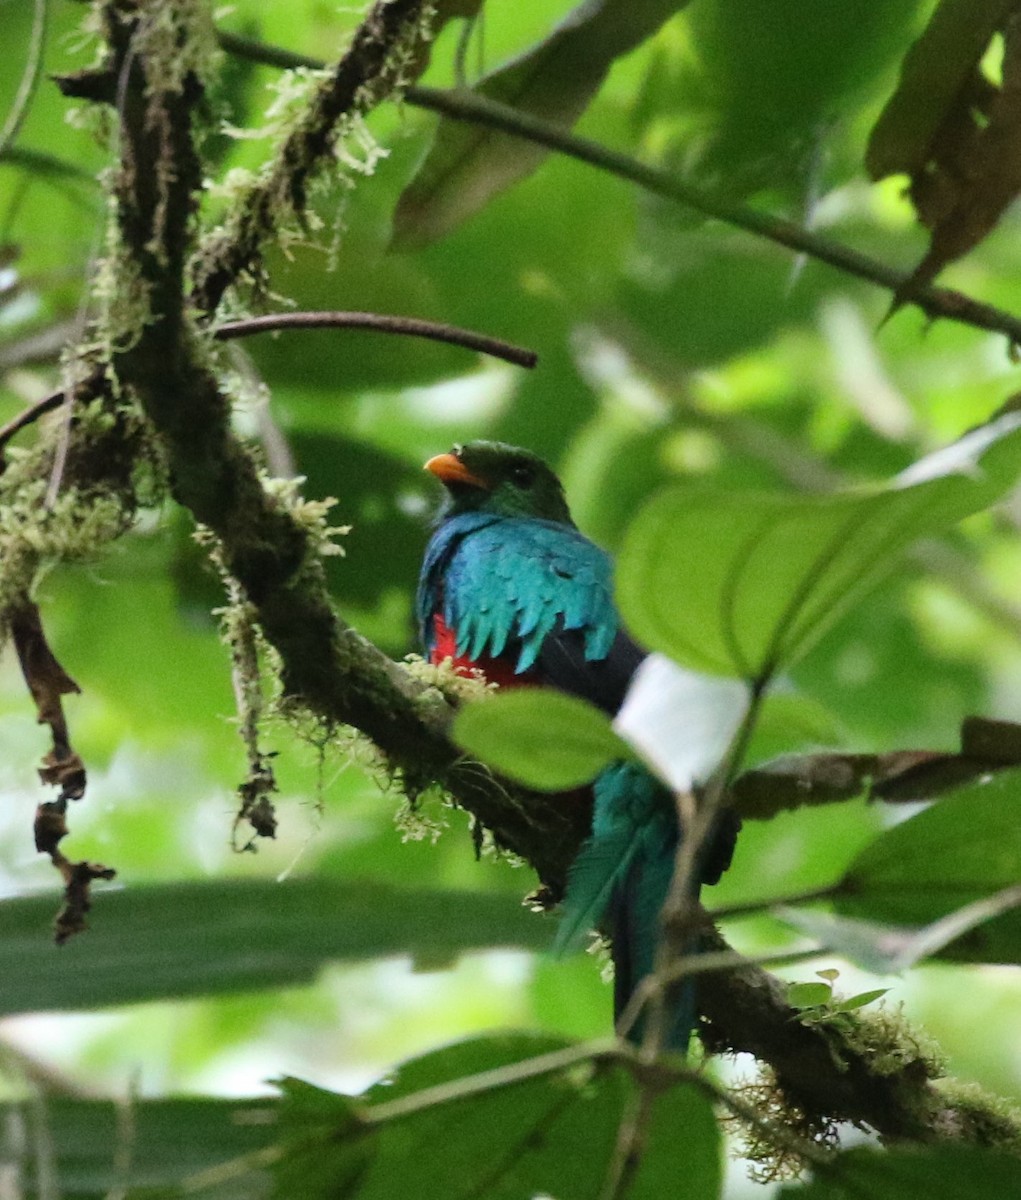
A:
(962, 848)
(904, 1174)
(93, 1148)
(191, 939)
(469, 164)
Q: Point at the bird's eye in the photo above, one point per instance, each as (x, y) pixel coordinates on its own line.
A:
(456, 449)
(523, 475)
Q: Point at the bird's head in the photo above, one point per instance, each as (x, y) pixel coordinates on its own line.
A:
(496, 478)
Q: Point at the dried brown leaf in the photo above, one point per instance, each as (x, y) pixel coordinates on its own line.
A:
(937, 79)
(954, 132)
(71, 918)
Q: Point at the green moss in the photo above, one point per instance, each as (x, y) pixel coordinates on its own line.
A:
(52, 513)
(983, 1118)
(891, 1044)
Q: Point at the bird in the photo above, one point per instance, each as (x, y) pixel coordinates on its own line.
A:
(511, 588)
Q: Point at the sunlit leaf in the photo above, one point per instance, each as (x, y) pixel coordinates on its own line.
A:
(808, 995)
(743, 583)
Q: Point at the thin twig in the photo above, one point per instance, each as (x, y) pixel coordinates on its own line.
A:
(935, 302)
(381, 323)
(29, 416)
(498, 1077)
(435, 331)
(29, 78)
(728, 912)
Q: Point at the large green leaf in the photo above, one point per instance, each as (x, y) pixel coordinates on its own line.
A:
(192, 939)
(541, 738)
(507, 1117)
(768, 79)
(946, 1173)
(743, 582)
(958, 851)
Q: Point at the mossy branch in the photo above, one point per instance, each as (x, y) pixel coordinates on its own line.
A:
(367, 73)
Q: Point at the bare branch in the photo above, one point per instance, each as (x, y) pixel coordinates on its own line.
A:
(436, 331)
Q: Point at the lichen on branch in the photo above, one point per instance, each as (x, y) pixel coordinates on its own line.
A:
(371, 69)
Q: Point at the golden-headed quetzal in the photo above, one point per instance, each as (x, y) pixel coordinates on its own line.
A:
(511, 588)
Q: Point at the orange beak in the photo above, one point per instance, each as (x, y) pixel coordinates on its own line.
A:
(448, 468)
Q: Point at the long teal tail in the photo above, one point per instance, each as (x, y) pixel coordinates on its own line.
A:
(621, 879)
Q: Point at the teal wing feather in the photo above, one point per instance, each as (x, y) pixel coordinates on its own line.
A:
(633, 828)
(515, 582)
(600, 868)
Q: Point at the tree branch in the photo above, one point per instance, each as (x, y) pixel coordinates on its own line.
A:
(933, 301)
(326, 666)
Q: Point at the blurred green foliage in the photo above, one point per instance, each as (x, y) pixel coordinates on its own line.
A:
(672, 351)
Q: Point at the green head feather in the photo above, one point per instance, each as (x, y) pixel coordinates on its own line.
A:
(496, 478)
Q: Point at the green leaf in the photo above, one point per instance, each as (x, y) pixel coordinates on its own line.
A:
(327, 1147)
(808, 995)
(547, 1134)
(947, 1173)
(551, 1133)
(684, 1144)
(555, 80)
(97, 1148)
(959, 851)
(769, 77)
(861, 1000)
(541, 738)
(744, 582)
(193, 939)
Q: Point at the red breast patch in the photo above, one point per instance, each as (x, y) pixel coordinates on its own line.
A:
(496, 670)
